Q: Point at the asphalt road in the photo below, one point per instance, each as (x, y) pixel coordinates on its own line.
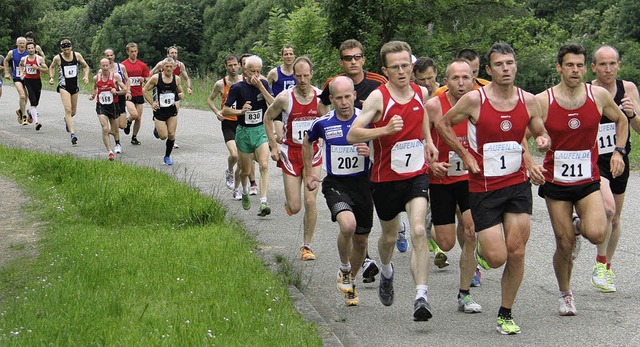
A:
(602, 320)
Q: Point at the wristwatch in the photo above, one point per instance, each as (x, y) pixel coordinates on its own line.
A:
(621, 150)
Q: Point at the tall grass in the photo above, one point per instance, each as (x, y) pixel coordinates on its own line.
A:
(130, 257)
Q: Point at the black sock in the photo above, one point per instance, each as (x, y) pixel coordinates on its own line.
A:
(117, 142)
(462, 293)
(167, 151)
(253, 183)
(504, 312)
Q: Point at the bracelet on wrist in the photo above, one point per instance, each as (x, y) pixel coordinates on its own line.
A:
(633, 115)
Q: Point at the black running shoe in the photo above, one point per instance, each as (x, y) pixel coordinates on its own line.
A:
(385, 291)
(127, 129)
(421, 310)
(369, 270)
(134, 141)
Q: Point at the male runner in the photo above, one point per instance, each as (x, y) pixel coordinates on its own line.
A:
(138, 75)
(499, 188)
(395, 119)
(12, 59)
(299, 107)
(346, 187)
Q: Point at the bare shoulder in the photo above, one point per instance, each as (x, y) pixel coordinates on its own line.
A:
(433, 104)
(630, 87)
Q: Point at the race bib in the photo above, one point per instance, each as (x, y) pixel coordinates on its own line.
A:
(606, 138)
(345, 160)
(70, 71)
(253, 117)
(571, 166)
(457, 166)
(501, 158)
(299, 129)
(167, 99)
(31, 70)
(135, 81)
(105, 98)
(407, 156)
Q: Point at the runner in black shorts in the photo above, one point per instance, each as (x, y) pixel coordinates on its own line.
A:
(346, 187)
(68, 63)
(108, 89)
(31, 66)
(391, 197)
(606, 66)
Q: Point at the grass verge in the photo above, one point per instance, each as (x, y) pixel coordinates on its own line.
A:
(131, 257)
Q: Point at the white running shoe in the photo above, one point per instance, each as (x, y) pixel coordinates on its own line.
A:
(567, 307)
(228, 177)
(237, 195)
(117, 149)
(601, 279)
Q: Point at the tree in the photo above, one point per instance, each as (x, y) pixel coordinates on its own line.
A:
(158, 25)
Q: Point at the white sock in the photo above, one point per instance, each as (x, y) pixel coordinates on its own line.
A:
(245, 190)
(34, 114)
(263, 200)
(421, 291)
(386, 270)
(346, 266)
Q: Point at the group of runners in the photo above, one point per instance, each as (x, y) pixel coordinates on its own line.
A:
(397, 142)
(120, 90)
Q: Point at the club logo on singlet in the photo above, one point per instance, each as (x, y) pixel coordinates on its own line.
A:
(574, 123)
(505, 125)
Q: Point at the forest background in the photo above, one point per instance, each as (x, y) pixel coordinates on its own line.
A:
(205, 31)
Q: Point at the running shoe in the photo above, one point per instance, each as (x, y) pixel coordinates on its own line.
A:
(507, 326)
(369, 270)
(175, 145)
(155, 133)
(118, 149)
(611, 276)
(402, 243)
(421, 308)
(111, 156)
(345, 281)
(578, 243)
(567, 308)
(246, 203)
(480, 259)
(351, 297)
(264, 210)
(134, 141)
(38, 126)
(74, 139)
(127, 129)
(600, 280)
(477, 278)
(306, 253)
(19, 113)
(228, 177)
(385, 291)
(237, 195)
(466, 304)
(440, 259)
(253, 190)
(168, 161)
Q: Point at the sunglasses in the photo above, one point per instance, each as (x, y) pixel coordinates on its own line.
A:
(357, 57)
(65, 45)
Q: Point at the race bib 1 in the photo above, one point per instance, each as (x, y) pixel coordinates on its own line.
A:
(253, 117)
(70, 71)
(501, 158)
(407, 156)
(105, 98)
(457, 166)
(571, 166)
(606, 138)
(345, 160)
(167, 99)
(299, 128)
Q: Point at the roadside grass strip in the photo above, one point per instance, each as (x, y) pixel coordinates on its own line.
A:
(130, 257)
